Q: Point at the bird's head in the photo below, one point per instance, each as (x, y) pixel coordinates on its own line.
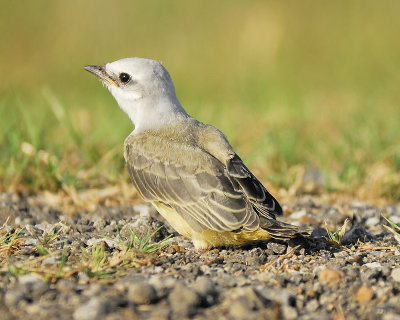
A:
(142, 87)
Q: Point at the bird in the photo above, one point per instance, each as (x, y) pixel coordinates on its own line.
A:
(187, 169)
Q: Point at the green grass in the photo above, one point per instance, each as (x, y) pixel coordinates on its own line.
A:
(143, 243)
(309, 84)
(336, 237)
(394, 229)
(95, 262)
(46, 239)
(63, 260)
(10, 240)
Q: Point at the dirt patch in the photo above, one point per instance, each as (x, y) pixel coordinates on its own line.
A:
(58, 265)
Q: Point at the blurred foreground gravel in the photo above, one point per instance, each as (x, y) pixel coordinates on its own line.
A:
(301, 279)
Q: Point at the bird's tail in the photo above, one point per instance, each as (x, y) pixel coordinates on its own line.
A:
(285, 231)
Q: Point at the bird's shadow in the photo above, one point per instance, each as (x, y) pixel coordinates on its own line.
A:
(315, 243)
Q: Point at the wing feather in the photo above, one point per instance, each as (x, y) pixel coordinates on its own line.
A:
(207, 198)
(209, 186)
(243, 179)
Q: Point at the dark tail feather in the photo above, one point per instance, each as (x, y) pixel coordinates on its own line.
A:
(285, 231)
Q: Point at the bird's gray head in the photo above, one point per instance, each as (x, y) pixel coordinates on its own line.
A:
(143, 89)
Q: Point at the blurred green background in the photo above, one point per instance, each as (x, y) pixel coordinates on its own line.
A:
(292, 84)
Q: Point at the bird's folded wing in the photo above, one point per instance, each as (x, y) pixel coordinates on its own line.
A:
(243, 180)
(200, 191)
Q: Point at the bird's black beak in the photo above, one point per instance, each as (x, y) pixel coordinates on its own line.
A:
(100, 72)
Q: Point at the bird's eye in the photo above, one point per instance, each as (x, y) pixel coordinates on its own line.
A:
(124, 77)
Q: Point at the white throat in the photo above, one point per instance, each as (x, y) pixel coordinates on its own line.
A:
(150, 112)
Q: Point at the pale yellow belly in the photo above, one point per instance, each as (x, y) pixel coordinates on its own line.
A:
(209, 238)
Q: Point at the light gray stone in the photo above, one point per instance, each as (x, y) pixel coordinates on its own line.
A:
(92, 310)
(184, 301)
(395, 274)
(141, 293)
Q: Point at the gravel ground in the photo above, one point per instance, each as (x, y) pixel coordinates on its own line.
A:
(49, 271)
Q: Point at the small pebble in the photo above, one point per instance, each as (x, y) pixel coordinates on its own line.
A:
(13, 297)
(395, 274)
(141, 293)
(372, 222)
(204, 286)
(391, 316)
(298, 214)
(183, 300)
(242, 307)
(94, 290)
(373, 265)
(319, 233)
(356, 234)
(312, 305)
(395, 219)
(91, 310)
(99, 224)
(284, 297)
(329, 276)
(277, 248)
(364, 294)
(289, 313)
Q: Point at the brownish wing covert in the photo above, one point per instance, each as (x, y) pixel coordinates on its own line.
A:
(205, 199)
